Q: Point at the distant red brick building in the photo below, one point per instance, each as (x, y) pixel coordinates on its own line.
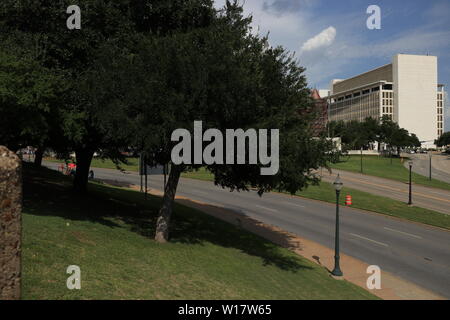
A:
(320, 110)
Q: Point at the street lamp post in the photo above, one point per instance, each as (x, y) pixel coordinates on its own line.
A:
(337, 270)
(431, 154)
(410, 182)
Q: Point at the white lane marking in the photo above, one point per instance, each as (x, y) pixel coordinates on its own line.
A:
(265, 208)
(364, 238)
(405, 233)
(296, 205)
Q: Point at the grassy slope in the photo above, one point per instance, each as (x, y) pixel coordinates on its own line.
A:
(361, 200)
(109, 235)
(382, 167)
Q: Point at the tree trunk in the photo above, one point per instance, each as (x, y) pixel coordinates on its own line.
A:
(84, 158)
(162, 224)
(38, 155)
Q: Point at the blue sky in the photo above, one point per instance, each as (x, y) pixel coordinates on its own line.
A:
(331, 40)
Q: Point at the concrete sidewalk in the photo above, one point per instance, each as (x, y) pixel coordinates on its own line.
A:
(440, 166)
(424, 197)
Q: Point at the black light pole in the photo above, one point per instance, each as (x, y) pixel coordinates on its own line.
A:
(431, 154)
(337, 270)
(410, 182)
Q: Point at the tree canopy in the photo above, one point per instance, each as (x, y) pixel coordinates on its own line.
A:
(356, 135)
(443, 140)
(39, 28)
(221, 74)
(138, 70)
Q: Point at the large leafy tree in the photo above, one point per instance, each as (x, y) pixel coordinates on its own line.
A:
(76, 51)
(395, 137)
(223, 75)
(28, 99)
(357, 135)
(443, 140)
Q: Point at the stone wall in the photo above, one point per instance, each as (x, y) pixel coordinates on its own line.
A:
(10, 224)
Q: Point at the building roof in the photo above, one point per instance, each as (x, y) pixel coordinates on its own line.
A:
(315, 94)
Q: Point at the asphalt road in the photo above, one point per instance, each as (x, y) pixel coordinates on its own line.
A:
(414, 252)
(425, 197)
(440, 166)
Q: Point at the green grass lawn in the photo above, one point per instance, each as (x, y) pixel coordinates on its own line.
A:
(109, 235)
(361, 200)
(366, 201)
(382, 167)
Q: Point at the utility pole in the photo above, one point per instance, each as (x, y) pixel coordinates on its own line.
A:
(410, 183)
(431, 154)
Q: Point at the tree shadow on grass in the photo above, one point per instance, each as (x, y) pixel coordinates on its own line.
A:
(48, 193)
(196, 227)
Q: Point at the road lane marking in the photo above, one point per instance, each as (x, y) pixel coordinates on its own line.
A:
(265, 208)
(405, 233)
(296, 205)
(367, 239)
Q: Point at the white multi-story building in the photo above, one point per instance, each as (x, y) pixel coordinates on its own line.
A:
(405, 90)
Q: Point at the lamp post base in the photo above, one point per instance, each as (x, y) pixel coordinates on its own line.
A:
(337, 277)
(337, 273)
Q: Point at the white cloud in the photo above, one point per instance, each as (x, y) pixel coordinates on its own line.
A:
(327, 54)
(320, 41)
(287, 28)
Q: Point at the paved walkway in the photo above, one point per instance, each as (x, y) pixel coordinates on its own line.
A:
(440, 166)
(424, 197)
